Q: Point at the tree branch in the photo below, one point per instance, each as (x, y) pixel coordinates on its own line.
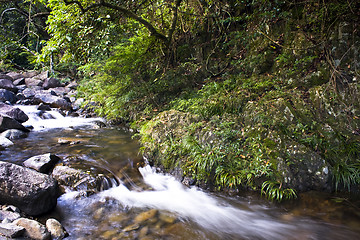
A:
(175, 17)
(126, 12)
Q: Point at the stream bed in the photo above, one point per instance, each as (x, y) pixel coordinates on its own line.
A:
(151, 205)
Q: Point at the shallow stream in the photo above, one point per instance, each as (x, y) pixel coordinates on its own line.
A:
(150, 205)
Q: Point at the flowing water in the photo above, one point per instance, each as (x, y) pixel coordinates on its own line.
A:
(150, 205)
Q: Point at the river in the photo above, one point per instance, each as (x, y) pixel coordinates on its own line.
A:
(151, 205)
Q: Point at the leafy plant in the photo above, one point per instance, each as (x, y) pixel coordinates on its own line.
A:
(346, 174)
(273, 190)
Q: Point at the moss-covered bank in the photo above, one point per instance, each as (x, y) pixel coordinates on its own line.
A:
(290, 139)
(270, 103)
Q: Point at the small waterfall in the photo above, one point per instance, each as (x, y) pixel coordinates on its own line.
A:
(198, 206)
(42, 120)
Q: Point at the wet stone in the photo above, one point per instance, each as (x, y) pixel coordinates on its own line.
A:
(108, 234)
(11, 230)
(55, 228)
(12, 134)
(144, 216)
(143, 232)
(10, 215)
(99, 213)
(118, 217)
(167, 218)
(33, 229)
(131, 227)
(42, 163)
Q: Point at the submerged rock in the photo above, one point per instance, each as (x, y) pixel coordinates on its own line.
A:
(144, 216)
(34, 193)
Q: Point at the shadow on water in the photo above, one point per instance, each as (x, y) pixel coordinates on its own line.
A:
(149, 205)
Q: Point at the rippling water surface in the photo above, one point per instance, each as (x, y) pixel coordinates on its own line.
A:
(150, 205)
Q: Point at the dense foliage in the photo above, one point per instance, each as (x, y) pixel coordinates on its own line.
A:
(229, 63)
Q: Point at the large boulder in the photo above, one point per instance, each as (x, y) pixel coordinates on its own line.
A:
(13, 112)
(7, 96)
(42, 163)
(52, 100)
(10, 123)
(32, 192)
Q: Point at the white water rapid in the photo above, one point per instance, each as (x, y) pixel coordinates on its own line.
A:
(43, 120)
(193, 204)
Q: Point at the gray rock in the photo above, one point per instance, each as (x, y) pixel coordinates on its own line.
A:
(6, 76)
(29, 92)
(51, 83)
(13, 112)
(11, 208)
(72, 85)
(79, 180)
(14, 75)
(43, 75)
(10, 123)
(33, 229)
(53, 101)
(7, 96)
(12, 216)
(42, 163)
(55, 228)
(13, 134)
(4, 142)
(32, 192)
(8, 85)
(33, 82)
(29, 74)
(11, 230)
(44, 107)
(19, 82)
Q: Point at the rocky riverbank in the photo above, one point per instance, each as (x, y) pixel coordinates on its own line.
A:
(32, 188)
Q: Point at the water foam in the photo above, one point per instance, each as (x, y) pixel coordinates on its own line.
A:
(41, 121)
(198, 206)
